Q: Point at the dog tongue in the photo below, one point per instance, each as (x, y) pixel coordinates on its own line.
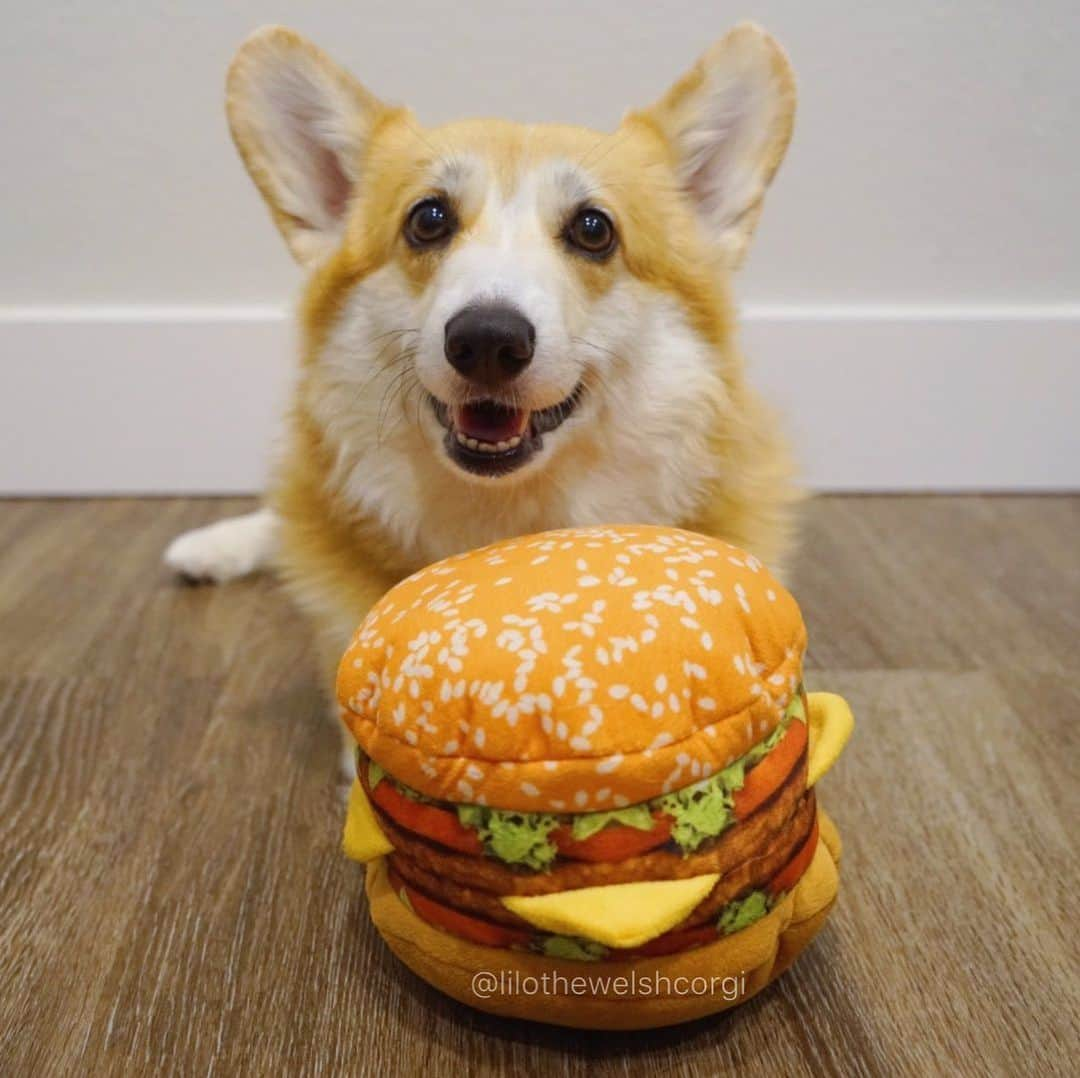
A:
(488, 421)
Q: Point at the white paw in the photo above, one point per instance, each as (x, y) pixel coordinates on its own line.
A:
(347, 762)
(346, 769)
(226, 550)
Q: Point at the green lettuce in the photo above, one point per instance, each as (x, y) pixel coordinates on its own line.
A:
(743, 912)
(705, 809)
(589, 823)
(763, 748)
(375, 774)
(795, 708)
(518, 838)
(580, 950)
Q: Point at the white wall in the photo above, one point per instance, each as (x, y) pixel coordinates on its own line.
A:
(917, 260)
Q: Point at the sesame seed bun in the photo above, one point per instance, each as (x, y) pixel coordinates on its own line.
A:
(573, 671)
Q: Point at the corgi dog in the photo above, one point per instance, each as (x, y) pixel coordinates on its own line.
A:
(506, 328)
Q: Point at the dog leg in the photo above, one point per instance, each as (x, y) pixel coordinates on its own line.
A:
(348, 760)
(226, 550)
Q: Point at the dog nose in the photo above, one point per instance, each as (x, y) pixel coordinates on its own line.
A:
(489, 343)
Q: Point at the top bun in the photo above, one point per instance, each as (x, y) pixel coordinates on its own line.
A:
(573, 671)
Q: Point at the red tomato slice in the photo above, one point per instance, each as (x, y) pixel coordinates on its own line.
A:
(671, 942)
(430, 821)
(616, 842)
(793, 871)
(459, 924)
(769, 774)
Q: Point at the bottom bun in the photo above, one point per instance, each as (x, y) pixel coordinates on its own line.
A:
(638, 993)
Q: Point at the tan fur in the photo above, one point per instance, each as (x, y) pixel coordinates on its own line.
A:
(338, 560)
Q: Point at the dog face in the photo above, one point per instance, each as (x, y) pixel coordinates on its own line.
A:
(518, 296)
(517, 304)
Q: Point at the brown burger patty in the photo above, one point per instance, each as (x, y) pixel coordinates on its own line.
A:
(467, 899)
(754, 872)
(413, 856)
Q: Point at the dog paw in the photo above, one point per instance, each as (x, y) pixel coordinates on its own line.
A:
(225, 550)
(346, 775)
(347, 762)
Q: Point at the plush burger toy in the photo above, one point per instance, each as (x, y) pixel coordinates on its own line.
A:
(586, 776)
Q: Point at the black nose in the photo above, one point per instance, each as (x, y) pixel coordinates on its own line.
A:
(489, 343)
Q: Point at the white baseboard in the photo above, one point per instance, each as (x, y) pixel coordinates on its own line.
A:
(110, 400)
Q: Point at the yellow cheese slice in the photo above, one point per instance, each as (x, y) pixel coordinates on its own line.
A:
(363, 839)
(618, 915)
(831, 723)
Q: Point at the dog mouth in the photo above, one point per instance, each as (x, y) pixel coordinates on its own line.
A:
(490, 438)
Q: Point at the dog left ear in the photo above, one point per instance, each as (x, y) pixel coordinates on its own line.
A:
(301, 125)
(728, 122)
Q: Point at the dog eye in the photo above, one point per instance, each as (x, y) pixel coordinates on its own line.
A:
(592, 232)
(429, 222)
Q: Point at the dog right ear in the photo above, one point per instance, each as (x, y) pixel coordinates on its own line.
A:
(301, 125)
(728, 122)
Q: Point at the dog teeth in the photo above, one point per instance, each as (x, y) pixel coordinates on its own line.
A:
(488, 447)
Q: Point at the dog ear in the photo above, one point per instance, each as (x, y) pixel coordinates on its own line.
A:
(300, 124)
(728, 122)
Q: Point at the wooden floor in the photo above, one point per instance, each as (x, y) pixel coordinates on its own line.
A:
(172, 898)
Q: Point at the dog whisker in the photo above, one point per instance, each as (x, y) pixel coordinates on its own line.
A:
(412, 385)
(403, 358)
(389, 333)
(393, 342)
(598, 347)
(392, 393)
(418, 404)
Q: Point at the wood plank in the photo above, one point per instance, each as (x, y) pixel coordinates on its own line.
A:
(174, 901)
